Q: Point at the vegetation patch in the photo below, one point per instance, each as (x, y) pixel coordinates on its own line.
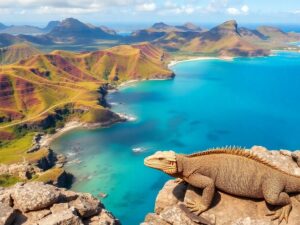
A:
(7, 180)
(50, 175)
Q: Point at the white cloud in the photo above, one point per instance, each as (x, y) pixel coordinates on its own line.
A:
(171, 7)
(296, 12)
(245, 9)
(233, 11)
(238, 11)
(215, 6)
(130, 7)
(146, 7)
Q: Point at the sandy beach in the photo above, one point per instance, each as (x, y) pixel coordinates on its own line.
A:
(128, 83)
(48, 138)
(175, 62)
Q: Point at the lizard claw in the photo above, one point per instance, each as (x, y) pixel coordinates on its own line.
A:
(178, 180)
(196, 207)
(281, 214)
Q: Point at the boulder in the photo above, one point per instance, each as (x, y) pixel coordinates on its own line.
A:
(23, 170)
(33, 216)
(65, 217)
(102, 218)
(169, 195)
(5, 198)
(7, 214)
(34, 196)
(154, 219)
(37, 203)
(56, 208)
(86, 205)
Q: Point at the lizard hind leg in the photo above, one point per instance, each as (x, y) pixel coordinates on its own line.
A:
(275, 196)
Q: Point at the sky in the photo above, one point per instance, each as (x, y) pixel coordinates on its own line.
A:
(38, 12)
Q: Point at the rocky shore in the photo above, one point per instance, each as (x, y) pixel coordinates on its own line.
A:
(36, 203)
(226, 209)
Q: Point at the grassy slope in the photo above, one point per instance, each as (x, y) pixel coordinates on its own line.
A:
(44, 81)
(16, 52)
(35, 88)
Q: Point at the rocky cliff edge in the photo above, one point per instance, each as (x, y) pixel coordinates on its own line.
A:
(36, 203)
(226, 209)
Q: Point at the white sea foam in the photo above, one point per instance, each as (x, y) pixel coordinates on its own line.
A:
(75, 161)
(139, 150)
(70, 154)
(127, 117)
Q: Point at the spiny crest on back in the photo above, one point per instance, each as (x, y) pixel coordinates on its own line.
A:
(233, 150)
(239, 151)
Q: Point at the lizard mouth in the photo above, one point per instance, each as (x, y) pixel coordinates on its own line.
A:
(170, 171)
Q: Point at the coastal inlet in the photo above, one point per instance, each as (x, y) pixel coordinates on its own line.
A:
(210, 103)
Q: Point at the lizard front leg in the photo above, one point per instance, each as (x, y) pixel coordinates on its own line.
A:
(193, 200)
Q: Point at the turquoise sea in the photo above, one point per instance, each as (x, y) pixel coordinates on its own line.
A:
(210, 103)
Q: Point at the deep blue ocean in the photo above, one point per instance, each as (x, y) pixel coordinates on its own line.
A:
(211, 103)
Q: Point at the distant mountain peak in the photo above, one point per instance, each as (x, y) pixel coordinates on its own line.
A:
(2, 26)
(71, 22)
(160, 25)
(190, 25)
(230, 25)
(51, 25)
(73, 30)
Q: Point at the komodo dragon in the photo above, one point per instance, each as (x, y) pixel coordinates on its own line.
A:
(232, 170)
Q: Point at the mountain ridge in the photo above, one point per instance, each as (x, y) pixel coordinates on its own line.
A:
(17, 52)
(32, 85)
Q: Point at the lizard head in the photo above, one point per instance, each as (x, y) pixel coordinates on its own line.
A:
(164, 161)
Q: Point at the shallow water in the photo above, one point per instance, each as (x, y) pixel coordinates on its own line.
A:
(211, 103)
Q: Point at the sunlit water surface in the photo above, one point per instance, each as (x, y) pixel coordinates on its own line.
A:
(211, 103)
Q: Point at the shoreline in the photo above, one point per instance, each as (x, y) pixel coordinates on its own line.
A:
(127, 83)
(201, 58)
(47, 139)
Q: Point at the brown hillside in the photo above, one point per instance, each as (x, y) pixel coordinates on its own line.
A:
(33, 88)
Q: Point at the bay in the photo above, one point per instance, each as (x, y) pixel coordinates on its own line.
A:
(210, 103)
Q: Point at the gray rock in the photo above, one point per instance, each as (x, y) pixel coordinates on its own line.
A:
(34, 196)
(296, 157)
(154, 219)
(42, 204)
(103, 218)
(7, 214)
(33, 216)
(56, 208)
(86, 205)
(174, 215)
(5, 198)
(68, 196)
(66, 217)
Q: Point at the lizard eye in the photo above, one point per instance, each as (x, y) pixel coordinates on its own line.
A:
(160, 158)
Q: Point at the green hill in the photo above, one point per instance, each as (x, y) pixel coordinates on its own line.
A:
(17, 52)
(34, 88)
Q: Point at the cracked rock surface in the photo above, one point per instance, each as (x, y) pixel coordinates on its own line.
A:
(36, 203)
